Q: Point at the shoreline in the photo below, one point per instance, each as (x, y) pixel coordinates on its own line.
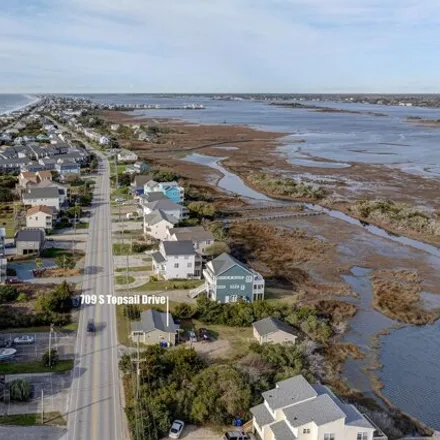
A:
(33, 100)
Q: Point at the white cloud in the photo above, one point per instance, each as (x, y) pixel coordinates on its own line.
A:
(199, 45)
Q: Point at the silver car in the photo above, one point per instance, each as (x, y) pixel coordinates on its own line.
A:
(25, 339)
(176, 429)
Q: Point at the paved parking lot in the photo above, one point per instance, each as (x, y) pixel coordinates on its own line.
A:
(55, 387)
(32, 433)
(63, 342)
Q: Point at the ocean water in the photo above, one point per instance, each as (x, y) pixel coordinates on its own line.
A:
(9, 102)
(341, 137)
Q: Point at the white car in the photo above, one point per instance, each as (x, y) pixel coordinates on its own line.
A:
(176, 429)
(25, 339)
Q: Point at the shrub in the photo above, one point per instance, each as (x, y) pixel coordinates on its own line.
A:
(8, 293)
(20, 390)
(22, 297)
(183, 311)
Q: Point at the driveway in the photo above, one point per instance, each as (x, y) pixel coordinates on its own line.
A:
(192, 432)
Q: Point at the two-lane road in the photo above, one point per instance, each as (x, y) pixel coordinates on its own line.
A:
(95, 409)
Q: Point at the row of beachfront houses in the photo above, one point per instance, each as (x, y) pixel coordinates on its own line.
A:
(183, 251)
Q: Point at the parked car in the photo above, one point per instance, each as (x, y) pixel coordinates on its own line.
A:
(176, 429)
(203, 334)
(91, 326)
(236, 435)
(192, 337)
(25, 339)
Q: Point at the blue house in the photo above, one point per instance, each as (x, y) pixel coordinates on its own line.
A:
(227, 280)
(172, 190)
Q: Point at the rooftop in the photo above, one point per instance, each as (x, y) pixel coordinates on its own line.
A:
(154, 320)
(50, 192)
(29, 235)
(193, 233)
(270, 325)
(184, 247)
(40, 208)
(157, 216)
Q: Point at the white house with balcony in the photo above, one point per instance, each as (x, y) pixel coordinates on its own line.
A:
(297, 410)
(177, 260)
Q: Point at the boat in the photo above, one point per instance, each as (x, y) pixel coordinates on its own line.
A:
(7, 353)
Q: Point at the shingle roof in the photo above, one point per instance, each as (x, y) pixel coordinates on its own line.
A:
(193, 233)
(269, 325)
(321, 410)
(153, 319)
(353, 416)
(154, 196)
(282, 432)
(29, 175)
(29, 235)
(262, 414)
(288, 392)
(157, 216)
(184, 247)
(40, 208)
(45, 174)
(151, 184)
(158, 257)
(49, 192)
(224, 262)
(165, 204)
(140, 181)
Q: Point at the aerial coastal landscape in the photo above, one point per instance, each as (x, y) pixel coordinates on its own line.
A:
(331, 205)
(219, 220)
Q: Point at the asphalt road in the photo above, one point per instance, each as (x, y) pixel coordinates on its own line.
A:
(95, 409)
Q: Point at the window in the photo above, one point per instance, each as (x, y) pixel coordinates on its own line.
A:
(249, 279)
(362, 436)
(233, 298)
(242, 287)
(189, 265)
(329, 436)
(306, 431)
(176, 265)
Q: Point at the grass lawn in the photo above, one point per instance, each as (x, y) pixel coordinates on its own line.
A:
(35, 367)
(122, 279)
(122, 249)
(43, 329)
(167, 285)
(8, 223)
(50, 418)
(135, 269)
(84, 225)
(120, 168)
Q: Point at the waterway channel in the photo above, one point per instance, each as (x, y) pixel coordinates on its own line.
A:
(410, 356)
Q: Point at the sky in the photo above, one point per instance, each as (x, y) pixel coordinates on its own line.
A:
(201, 46)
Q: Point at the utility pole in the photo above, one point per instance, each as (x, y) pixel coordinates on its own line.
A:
(50, 345)
(42, 406)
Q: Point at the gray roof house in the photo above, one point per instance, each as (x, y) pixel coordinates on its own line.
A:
(176, 260)
(228, 280)
(297, 410)
(167, 206)
(42, 196)
(29, 241)
(157, 224)
(273, 330)
(200, 237)
(154, 327)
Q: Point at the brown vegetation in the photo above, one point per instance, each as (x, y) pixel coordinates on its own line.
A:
(397, 295)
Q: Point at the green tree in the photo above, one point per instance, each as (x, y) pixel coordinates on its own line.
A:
(183, 311)
(20, 390)
(50, 358)
(202, 209)
(217, 248)
(65, 261)
(58, 300)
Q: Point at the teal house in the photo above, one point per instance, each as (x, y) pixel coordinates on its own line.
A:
(172, 190)
(227, 280)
